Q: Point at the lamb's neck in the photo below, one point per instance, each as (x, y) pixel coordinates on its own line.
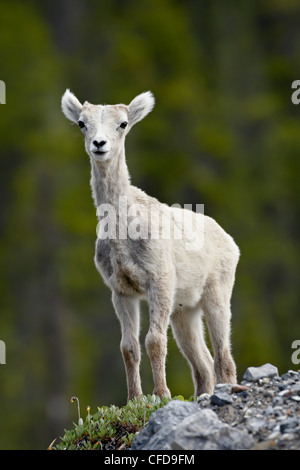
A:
(110, 180)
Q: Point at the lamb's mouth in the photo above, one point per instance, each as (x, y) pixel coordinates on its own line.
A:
(99, 152)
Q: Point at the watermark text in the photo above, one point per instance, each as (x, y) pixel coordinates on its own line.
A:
(296, 94)
(155, 221)
(2, 352)
(2, 92)
(296, 354)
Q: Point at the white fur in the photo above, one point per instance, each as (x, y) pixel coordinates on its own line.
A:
(71, 106)
(179, 284)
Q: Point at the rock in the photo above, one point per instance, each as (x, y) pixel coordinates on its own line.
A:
(255, 424)
(264, 381)
(237, 388)
(288, 424)
(253, 374)
(268, 393)
(223, 388)
(269, 410)
(244, 394)
(205, 431)
(296, 390)
(289, 374)
(264, 415)
(162, 425)
(295, 398)
(285, 376)
(284, 393)
(221, 398)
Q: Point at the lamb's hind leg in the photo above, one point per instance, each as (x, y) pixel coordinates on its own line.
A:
(216, 306)
(188, 331)
(127, 310)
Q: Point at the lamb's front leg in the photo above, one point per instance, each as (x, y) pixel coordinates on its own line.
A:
(160, 305)
(127, 310)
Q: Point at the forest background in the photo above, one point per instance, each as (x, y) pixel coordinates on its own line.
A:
(224, 133)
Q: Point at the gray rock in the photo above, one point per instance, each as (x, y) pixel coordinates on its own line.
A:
(269, 410)
(264, 416)
(184, 425)
(221, 398)
(253, 374)
(296, 390)
(268, 394)
(224, 388)
(205, 431)
(255, 424)
(290, 374)
(162, 425)
(288, 424)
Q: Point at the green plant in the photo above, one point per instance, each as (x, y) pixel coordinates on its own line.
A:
(73, 399)
(112, 427)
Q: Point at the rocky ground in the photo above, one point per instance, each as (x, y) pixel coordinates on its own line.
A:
(263, 412)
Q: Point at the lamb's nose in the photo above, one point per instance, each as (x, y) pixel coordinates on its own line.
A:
(99, 144)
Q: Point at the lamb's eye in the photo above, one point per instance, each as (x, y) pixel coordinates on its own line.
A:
(124, 124)
(81, 124)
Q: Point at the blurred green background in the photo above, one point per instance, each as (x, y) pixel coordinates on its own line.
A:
(224, 132)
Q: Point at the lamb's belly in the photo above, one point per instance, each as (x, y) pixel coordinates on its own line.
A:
(188, 297)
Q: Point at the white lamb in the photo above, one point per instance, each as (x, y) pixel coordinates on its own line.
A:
(179, 280)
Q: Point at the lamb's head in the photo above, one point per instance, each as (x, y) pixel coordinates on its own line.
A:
(105, 126)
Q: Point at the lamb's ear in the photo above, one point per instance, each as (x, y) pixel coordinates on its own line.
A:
(70, 105)
(140, 107)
